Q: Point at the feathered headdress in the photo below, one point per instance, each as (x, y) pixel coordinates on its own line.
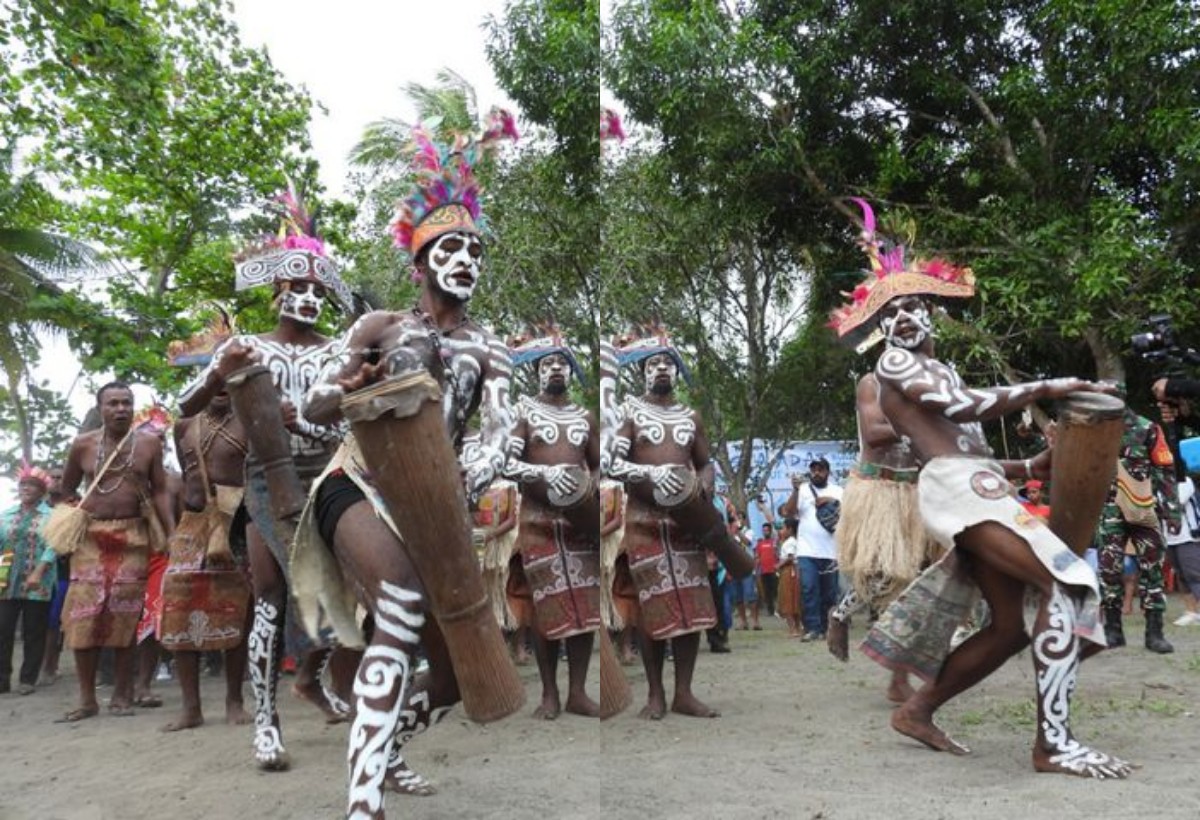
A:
(444, 196)
(499, 125)
(155, 419)
(530, 351)
(199, 349)
(893, 275)
(633, 350)
(29, 472)
(295, 254)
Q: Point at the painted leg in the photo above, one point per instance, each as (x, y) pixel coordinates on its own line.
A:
(418, 714)
(235, 674)
(1056, 664)
(263, 653)
(380, 692)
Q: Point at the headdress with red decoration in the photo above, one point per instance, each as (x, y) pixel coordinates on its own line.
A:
(892, 275)
(445, 193)
(30, 473)
(295, 254)
(155, 419)
(610, 126)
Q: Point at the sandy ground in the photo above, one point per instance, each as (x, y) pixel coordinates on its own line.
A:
(802, 736)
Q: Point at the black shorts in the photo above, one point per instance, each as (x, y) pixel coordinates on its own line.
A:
(337, 494)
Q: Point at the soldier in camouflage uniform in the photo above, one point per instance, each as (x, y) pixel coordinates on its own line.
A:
(1144, 453)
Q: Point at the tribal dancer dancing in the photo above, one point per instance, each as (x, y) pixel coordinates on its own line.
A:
(110, 542)
(881, 541)
(302, 277)
(438, 226)
(555, 446)
(667, 564)
(968, 506)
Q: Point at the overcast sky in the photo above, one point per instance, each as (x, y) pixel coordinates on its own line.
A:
(354, 57)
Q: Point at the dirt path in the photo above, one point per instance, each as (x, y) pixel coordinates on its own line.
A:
(802, 736)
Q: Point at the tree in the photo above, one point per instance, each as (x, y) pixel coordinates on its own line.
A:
(165, 129)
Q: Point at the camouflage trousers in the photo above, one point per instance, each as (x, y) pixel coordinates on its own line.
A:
(1149, 550)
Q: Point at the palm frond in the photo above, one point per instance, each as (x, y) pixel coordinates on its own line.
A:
(53, 257)
(382, 145)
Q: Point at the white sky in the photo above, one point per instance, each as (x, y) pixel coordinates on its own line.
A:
(354, 57)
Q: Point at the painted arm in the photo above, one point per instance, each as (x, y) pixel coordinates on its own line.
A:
(348, 369)
(231, 356)
(702, 458)
(631, 472)
(937, 389)
(496, 419)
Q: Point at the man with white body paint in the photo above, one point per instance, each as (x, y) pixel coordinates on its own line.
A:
(393, 701)
(1039, 591)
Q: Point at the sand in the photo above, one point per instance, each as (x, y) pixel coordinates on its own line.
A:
(802, 736)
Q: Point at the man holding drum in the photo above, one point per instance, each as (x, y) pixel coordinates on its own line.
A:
(968, 506)
(659, 442)
(349, 547)
(554, 454)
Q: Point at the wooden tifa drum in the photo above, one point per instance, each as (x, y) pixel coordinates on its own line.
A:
(403, 438)
(695, 514)
(257, 405)
(1084, 463)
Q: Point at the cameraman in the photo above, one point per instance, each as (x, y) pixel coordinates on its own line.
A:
(1171, 390)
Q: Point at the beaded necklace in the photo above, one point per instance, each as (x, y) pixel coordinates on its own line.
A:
(436, 335)
(99, 470)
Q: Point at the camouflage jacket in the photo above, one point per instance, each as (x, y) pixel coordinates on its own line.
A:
(1145, 452)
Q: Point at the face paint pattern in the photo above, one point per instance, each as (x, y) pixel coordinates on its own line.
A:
(454, 263)
(918, 317)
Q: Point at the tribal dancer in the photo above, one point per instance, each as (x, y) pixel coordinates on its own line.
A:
(667, 565)
(206, 588)
(124, 469)
(438, 226)
(555, 447)
(881, 541)
(1038, 590)
(303, 277)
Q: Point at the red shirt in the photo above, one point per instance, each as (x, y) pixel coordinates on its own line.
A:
(765, 550)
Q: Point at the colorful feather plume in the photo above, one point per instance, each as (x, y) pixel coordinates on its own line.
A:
(443, 176)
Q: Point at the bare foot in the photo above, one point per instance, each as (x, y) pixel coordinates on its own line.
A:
(403, 780)
(837, 638)
(1080, 761)
(81, 713)
(690, 705)
(314, 694)
(628, 659)
(655, 709)
(578, 703)
(920, 727)
(186, 720)
(549, 708)
(899, 689)
(236, 714)
(522, 658)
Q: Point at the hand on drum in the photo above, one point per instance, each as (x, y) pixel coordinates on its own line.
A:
(291, 418)
(560, 481)
(367, 374)
(665, 480)
(1064, 387)
(1039, 465)
(235, 356)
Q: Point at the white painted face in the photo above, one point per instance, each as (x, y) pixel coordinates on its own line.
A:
(454, 262)
(661, 372)
(554, 371)
(906, 322)
(302, 302)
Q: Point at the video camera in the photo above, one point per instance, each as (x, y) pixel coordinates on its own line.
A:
(1158, 343)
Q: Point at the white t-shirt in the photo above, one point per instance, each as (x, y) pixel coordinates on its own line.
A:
(815, 540)
(789, 549)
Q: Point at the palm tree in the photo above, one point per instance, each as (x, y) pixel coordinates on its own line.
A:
(31, 262)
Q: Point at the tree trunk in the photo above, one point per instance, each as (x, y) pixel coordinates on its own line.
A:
(1108, 364)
